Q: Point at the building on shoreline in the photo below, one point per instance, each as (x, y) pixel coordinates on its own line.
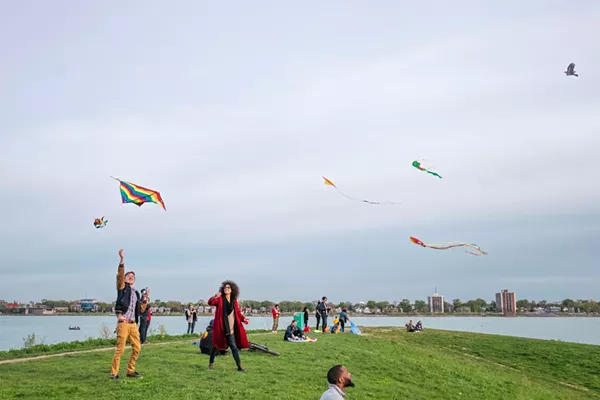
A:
(506, 303)
(436, 302)
(86, 305)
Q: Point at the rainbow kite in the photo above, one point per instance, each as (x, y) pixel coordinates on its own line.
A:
(420, 167)
(138, 195)
(449, 246)
(328, 182)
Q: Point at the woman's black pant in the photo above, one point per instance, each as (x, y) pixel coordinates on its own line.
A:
(318, 320)
(143, 328)
(342, 325)
(231, 345)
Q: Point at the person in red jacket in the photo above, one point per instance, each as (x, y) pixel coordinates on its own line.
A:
(276, 313)
(228, 330)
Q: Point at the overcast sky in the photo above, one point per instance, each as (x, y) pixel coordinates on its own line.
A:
(235, 110)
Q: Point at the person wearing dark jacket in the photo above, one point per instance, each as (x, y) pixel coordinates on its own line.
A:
(317, 316)
(127, 309)
(144, 313)
(293, 332)
(343, 318)
(191, 317)
(322, 311)
(306, 329)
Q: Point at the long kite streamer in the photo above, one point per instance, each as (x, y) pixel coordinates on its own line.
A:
(138, 195)
(329, 183)
(449, 246)
(418, 165)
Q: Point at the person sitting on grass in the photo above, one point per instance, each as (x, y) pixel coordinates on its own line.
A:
(336, 325)
(293, 333)
(419, 326)
(410, 327)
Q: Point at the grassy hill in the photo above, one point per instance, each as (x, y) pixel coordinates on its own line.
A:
(386, 363)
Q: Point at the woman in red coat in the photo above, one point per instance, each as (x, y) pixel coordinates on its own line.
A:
(228, 330)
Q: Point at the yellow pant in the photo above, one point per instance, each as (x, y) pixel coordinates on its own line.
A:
(275, 323)
(126, 331)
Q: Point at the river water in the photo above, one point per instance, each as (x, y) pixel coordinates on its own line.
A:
(54, 329)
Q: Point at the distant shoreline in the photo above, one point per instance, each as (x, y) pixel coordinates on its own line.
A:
(494, 315)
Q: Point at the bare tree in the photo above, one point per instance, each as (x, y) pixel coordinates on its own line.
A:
(105, 331)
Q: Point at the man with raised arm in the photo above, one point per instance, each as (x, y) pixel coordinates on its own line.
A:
(127, 309)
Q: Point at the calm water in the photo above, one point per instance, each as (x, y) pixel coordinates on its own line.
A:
(54, 329)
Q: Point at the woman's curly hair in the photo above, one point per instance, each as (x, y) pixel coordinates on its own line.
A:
(235, 290)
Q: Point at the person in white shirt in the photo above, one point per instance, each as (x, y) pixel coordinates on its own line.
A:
(339, 379)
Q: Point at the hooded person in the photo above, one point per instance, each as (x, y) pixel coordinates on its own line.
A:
(206, 341)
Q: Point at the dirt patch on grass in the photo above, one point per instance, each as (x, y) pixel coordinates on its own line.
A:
(488, 361)
(16, 360)
(578, 388)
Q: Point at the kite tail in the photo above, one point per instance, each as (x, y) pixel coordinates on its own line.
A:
(433, 173)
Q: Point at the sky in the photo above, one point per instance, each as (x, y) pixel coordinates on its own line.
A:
(235, 111)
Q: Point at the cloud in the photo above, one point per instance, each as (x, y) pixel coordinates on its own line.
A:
(239, 158)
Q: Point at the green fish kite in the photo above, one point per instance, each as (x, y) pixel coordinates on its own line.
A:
(417, 165)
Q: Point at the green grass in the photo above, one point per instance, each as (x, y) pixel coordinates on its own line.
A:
(386, 363)
(77, 345)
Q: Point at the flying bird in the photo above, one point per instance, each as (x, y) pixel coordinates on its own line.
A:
(571, 70)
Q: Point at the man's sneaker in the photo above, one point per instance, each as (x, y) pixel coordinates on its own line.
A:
(134, 374)
(114, 377)
(211, 366)
(241, 368)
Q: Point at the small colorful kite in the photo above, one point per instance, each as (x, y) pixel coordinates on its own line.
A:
(138, 195)
(449, 246)
(418, 165)
(328, 182)
(100, 222)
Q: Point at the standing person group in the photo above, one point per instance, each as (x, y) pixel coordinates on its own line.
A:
(127, 309)
(228, 330)
(191, 315)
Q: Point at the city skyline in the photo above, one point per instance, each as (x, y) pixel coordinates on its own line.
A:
(492, 298)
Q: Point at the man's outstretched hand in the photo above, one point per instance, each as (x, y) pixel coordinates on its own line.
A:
(121, 253)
